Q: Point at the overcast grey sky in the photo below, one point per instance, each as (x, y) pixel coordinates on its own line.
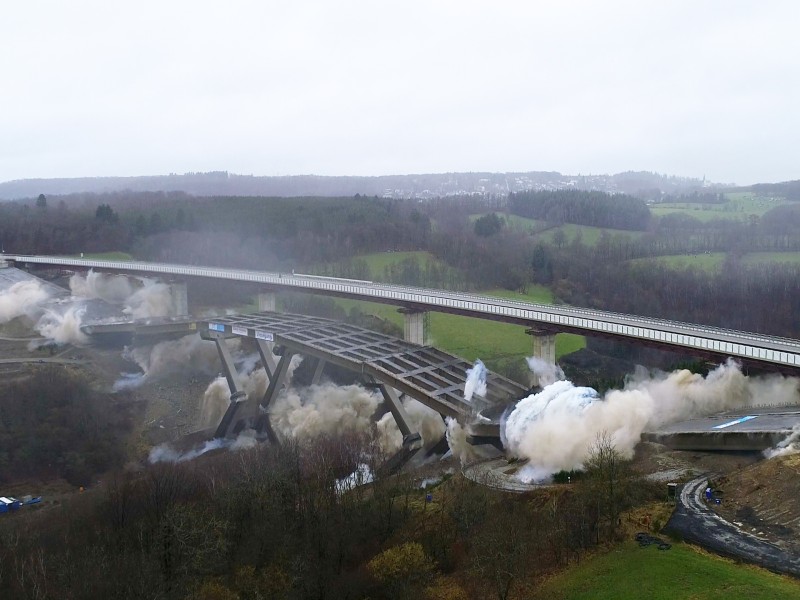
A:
(381, 87)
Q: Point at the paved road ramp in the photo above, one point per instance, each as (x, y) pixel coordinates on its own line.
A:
(695, 522)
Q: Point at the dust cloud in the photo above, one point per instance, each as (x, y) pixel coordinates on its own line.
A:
(22, 298)
(555, 428)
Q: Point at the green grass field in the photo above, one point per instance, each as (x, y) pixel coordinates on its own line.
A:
(714, 260)
(704, 262)
(771, 257)
(740, 205)
(629, 572)
(378, 261)
(478, 338)
(589, 235)
(103, 256)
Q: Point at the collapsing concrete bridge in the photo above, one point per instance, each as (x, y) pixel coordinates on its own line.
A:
(433, 377)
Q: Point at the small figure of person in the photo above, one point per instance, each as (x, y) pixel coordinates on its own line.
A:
(709, 494)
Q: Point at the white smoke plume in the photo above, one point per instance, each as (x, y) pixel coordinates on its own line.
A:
(465, 452)
(151, 300)
(555, 428)
(425, 421)
(215, 402)
(545, 372)
(114, 289)
(791, 445)
(142, 298)
(63, 327)
(323, 409)
(476, 381)
(22, 298)
(189, 354)
(166, 453)
(253, 382)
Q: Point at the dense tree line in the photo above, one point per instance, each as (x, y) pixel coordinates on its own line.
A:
(278, 522)
(324, 236)
(597, 209)
(55, 424)
(787, 189)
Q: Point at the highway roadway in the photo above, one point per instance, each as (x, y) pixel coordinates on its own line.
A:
(717, 342)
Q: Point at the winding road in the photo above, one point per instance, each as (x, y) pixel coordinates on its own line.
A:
(696, 523)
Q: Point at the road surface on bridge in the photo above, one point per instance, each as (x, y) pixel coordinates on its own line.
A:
(775, 352)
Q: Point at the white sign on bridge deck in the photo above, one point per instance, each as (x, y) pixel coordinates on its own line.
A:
(263, 335)
(238, 330)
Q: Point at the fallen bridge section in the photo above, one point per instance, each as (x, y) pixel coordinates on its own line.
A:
(429, 375)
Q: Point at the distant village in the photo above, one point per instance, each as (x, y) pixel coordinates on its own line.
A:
(420, 186)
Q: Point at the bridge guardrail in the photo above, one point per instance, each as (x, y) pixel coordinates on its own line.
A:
(719, 340)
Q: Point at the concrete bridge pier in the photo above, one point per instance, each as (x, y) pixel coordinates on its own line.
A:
(276, 383)
(412, 440)
(415, 325)
(180, 298)
(267, 357)
(318, 369)
(238, 396)
(544, 347)
(267, 301)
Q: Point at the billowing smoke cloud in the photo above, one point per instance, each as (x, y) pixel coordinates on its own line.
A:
(426, 421)
(22, 298)
(459, 446)
(546, 372)
(791, 445)
(253, 381)
(63, 327)
(555, 428)
(151, 300)
(114, 289)
(215, 402)
(188, 355)
(323, 409)
(476, 381)
(61, 322)
(142, 298)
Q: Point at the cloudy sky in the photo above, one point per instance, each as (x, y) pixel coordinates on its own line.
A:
(375, 87)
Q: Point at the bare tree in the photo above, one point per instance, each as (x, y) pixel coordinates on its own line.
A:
(609, 479)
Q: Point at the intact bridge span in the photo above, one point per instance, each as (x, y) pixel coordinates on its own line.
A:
(544, 321)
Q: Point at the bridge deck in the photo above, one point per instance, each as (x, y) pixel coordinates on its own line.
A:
(427, 374)
(744, 429)
(766, 351)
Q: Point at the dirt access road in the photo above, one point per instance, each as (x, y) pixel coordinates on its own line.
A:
(697, 523)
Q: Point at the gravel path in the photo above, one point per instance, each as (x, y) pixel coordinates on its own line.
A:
(695, 522)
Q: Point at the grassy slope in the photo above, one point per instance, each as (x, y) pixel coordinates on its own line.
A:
(714, 260)
(104, 256)
(478, 338)
(705, 262)
(771, 257)
(631, 572)
(740, 206)
(589, 235)
(378, 261)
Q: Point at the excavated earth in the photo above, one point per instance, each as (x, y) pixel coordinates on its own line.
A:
(764, 499)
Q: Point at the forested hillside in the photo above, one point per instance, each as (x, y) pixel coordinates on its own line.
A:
(327, 236)
(584, 208)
